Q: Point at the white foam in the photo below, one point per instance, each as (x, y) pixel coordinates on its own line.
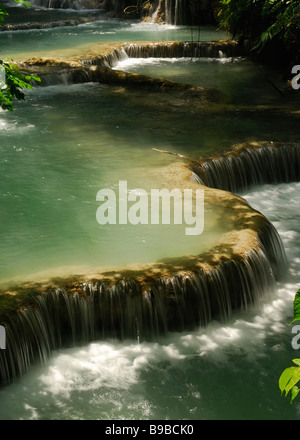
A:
(7, 125)
(109, 375)
(150, 27)
(134, 63)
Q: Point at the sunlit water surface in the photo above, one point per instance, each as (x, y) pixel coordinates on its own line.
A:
(226, 371)
(241, 79)
(58, 148)
(99, 30)
(63, 144)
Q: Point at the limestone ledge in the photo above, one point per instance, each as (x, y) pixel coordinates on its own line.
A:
(55, 71)
(94, 62)
(87, 63)
(92, 51)
(235, 244)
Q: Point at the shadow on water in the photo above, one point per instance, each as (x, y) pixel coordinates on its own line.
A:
(136, 116)
(189, 383)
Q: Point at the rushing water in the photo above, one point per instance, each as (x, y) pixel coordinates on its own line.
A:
(99, 30)
(226, 371)
(64, 143)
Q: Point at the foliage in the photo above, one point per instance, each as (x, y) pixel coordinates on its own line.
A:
(288, 380)
(263, 21)
(290, 377)
(3, 12)
(296, 307)
(13, 80)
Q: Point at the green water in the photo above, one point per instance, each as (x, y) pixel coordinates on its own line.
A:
(227, 371)
(63, 144)
(39, 41)
(240, 78)
(57, 149)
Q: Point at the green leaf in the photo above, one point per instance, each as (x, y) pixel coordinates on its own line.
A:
(285, 377)
(22, 2)
(296, 361)
(36, 78)
(296, 307)
(294, 380)
(288, 379)
(294, 393)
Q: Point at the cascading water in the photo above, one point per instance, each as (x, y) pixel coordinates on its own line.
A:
(60, 319)
(177, 12)
(181, 12)
(169, 377)
(168, 15)
(73, 32)
(97, 311)
(254, 166)
(167, 11)
(166, 50)
(173, 12)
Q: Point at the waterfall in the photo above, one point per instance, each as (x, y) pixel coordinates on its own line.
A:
(109, 60)
(98, 68)
(63, 72)
(182, 12)
(205, 49)
(155, 11)
(249, 166)
(168, 11)
(59, 318)
(176, 12)
(142, 309)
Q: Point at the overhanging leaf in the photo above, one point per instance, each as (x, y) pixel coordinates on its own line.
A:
(285, 377)
(296, 307)
(289, 378)
(294, 393)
